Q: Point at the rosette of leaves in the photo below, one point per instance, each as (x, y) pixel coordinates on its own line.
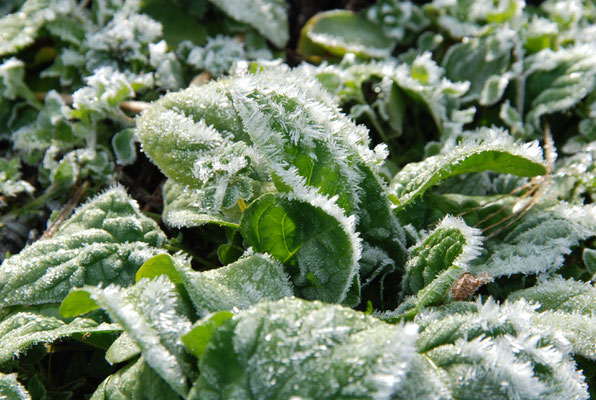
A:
(274, 140)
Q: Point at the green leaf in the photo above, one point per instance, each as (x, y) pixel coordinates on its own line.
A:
(135, 381)
(589, 258)
(197, 339)
(493, 150)
(339, 32)
(124, 145)
(185, 208)
(22, 330)
(123, 349)
(11, 389)
(155, 317)
(319, 249)
(268, 17)
(539, 242)
(77, 302)
(161, 264)
(105, 241)
(271, 350)
(248, 281)
(436, 263)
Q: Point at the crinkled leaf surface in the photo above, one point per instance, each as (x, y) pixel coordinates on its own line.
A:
(22, 330)
(137, 381)
(539, 242)
(11, 389)
(105, 241)
(185, 207)
(494, 150)
(320, 252)
(154, 315)
(239, 285)
(566, 305)
(479, 346)
(271, 351)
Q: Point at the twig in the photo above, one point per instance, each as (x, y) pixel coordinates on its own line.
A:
(68, 208)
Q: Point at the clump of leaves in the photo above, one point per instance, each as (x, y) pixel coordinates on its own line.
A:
(440, 251)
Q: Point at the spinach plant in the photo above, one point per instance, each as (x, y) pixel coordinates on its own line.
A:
(408, 216)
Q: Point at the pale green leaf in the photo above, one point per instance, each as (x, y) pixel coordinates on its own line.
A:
(136, 381)
(271, 350)
(318, 248)
(589, 258)
(197, 339)
(492, 150)
(105, 241)
(155, 317)
(11, 389)
(269, 17)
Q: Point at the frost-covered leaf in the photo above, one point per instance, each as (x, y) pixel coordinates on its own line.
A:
(137, 381)
(11, 389)
(482, 61)
(559, 80)
(239, 285)
(12, 81)
(400, 20)
(122, 349)
(22, 330)
(566, 305)
(20, 29)
(154, 315)
(105, 241)
(317, 244)
(436, 263)
(273, 349)
(492, 150)
(237, 138)
(185, 207)
(339, 32)
(269, 17)
(539, 242)
(480, 346)
(218, 55)
(10, 183)
(124, 145)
